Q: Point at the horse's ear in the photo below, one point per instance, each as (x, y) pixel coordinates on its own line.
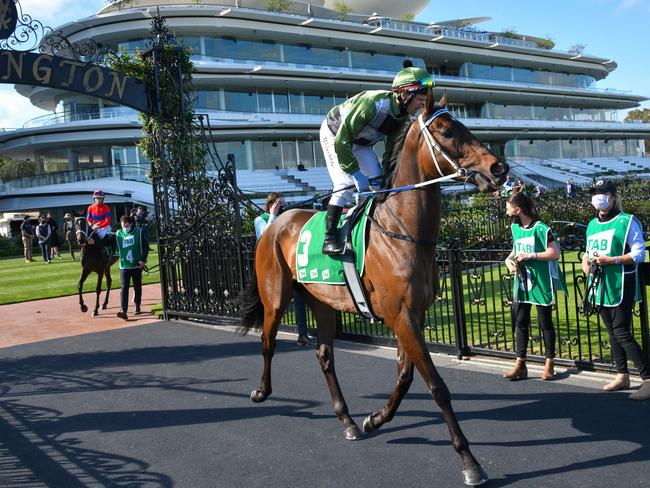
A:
(431, 101)
(443, 100)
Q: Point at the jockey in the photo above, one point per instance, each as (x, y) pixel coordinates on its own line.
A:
(353, 127)
(99, 218)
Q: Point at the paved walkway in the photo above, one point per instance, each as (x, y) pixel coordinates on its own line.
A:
(167, 405)
(41, 320)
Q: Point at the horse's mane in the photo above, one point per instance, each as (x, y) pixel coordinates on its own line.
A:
(396, 153)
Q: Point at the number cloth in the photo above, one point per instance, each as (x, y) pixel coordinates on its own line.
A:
(544, 278)
(608, 239)
(312, 266)
(129, 246)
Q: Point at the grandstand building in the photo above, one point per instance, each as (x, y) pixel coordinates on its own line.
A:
(266, 73)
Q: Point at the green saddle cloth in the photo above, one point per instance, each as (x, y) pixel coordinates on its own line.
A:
(312, 266)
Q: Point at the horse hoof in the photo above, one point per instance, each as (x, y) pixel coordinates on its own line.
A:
(95, 313)
(84, 309)
(104, 307)
(474, 476)
(368, 425)
(352, 433)
(258, 396)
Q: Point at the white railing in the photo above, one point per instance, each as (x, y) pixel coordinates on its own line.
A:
(75, 116)
(127, 172)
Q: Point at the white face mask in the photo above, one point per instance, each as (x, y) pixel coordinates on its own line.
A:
(600, 202)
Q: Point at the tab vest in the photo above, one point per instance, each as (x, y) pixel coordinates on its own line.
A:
(129, 247)
(544, 277)
(608, 239)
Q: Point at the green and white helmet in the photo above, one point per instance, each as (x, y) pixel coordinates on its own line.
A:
(412, 80)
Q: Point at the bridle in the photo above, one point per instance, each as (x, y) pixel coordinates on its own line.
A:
(86, 236)
(433, 145)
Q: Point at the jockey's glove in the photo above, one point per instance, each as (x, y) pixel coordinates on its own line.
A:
(360, 181)
(375, 183)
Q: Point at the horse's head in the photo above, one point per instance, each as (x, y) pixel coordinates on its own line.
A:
(82, 230)
(451, 148)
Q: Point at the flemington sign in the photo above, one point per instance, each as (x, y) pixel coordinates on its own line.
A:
(71, 72)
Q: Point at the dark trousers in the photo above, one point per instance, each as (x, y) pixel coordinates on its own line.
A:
(618, 321)
(45, 249)
(521, 324)
(300, 309)
(126, 275)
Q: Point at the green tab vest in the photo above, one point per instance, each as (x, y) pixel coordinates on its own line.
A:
(544, 277)
(130, 248)
(608, 239)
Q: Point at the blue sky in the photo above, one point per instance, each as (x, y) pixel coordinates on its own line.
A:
(616, 29)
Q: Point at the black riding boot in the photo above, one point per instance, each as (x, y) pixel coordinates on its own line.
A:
(331, 244)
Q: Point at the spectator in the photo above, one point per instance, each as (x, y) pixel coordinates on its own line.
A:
(54, 238)
(273, 208)
(133, 249)
(301, 167)
(140, 216)
(507, 187)
(537, 192)
(534, 259)
(68, 231)
(43, 233)
(615, 248)
(518, 187)
(27, 233)
(569, 188)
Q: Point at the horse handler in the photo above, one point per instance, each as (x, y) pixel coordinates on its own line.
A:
(133, 248)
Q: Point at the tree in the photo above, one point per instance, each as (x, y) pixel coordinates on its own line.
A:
(277, 5)
(342, 9)
(638, 115)
(408, 17)
(13, 169)
(577, 48)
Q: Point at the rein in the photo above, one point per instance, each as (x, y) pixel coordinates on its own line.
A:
(589, 306)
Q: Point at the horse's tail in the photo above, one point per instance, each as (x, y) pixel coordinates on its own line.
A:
(252, 309)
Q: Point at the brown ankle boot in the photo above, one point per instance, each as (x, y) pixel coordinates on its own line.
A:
(643, 393)
(548, 373)
(519, 372)
(621, 382)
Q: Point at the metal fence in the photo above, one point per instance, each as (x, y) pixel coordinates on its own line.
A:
(471, 313)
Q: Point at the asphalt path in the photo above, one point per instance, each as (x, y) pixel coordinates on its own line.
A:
(167, 404)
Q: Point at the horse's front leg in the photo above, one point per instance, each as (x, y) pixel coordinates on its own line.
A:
(404, 379)
(410, 336)
(326, 320)
(98, 291)
(80, 289)
(109, 282)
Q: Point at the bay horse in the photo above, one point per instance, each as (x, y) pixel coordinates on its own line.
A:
(94, 259)
(400, 274)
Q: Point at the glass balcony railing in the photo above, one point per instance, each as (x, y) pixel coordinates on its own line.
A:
(127, 172)
(79, 116)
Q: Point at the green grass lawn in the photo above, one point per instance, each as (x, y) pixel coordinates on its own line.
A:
(21, 281)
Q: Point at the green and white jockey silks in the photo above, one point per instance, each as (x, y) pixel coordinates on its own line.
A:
(608, 239)
(363, 120)
(544, 278)
(265, 217)
(129, 247)
(312, 266)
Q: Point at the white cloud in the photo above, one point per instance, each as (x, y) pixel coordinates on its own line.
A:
(16, 109)
(58, 12)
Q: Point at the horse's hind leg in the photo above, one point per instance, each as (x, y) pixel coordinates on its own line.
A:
(109, 282)
(80, 288)
(326, 319)
(98, 291)
(404, 379)
(409, 334)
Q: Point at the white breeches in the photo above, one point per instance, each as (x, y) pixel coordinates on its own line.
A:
(102, 232)
(365, 155)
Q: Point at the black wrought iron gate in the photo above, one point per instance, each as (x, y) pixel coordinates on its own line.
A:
(203, 259)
